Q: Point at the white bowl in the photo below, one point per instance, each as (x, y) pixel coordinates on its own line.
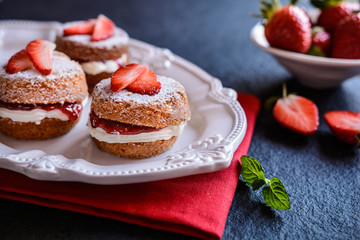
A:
(311, 71)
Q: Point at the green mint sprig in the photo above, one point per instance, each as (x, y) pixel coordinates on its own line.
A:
(274, 192)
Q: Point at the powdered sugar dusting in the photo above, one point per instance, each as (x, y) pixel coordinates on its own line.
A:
(169, 90)
(65, 83)
(119, 38)
(62, 66)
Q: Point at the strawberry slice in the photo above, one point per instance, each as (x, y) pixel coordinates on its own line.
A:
(345, 125)
(297, 113)
(104, 28)
(81, 28)
(18, 62)
(40, 53)
(147, 84)
(124, 76)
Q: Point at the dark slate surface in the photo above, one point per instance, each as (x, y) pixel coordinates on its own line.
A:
(321, 174)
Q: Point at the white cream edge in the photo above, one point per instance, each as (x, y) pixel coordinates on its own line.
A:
(109, 66)
(163, 134)
(35, 115)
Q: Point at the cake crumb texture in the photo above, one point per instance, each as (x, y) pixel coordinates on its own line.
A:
(136, 150)
(48, 128)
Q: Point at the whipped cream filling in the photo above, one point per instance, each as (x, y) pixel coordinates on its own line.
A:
(35, 115)
(163, 134)
(109, 66)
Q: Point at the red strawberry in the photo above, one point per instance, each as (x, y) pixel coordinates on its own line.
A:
(346, 39)
(80, 28)
(146, 84)
(287, 27)
(320, 43)
(124, 76)
(297, 113)
(18, 62)
(345, 125)
(40, 53)
(333, 12)
(104, 28)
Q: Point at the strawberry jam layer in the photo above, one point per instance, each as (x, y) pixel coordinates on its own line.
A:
(113, 127)
(72, 110)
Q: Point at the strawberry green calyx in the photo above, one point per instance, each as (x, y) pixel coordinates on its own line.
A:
(284, 91)
(268, 9)
(315, 51)
(325, 3)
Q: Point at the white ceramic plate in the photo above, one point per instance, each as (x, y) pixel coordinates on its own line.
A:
(217, 126)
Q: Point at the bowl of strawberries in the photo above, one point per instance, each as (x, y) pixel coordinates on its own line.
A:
(320, 47)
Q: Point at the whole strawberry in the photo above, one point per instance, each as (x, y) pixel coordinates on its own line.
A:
(320, 43)
(346, 38)
(286, 27)
(333, 11)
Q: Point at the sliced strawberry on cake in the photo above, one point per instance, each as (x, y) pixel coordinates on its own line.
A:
(146, 83)
(80, 28)
(126, 75)
(103, 29)
(40, 53)
(18, 62)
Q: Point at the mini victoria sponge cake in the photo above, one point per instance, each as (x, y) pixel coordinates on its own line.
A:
(137, 125)
(38, 106)
(99, 58)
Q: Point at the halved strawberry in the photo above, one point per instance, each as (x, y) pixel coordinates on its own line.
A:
(124, 76)
(297, 113)
(40, 53)
(81, 28)
(147, 84)
(104, 28)
(18, 62)
(345, 125)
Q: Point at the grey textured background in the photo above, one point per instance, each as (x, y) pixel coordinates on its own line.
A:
(320, 173)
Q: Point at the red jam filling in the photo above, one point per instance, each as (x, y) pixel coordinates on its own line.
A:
(72, 110)
(113, 127)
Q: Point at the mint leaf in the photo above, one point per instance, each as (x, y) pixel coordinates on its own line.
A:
(252, 171)
(275, 195)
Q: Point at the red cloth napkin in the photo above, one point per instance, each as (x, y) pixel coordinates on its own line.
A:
(195, 205)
